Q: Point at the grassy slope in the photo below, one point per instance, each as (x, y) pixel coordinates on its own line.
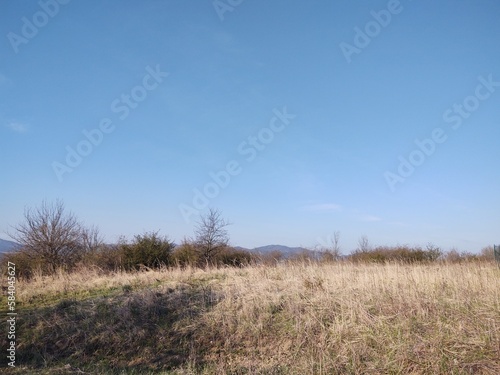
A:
(290, 319)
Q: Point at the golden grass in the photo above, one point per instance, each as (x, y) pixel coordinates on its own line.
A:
(360, 318)
(291, 319)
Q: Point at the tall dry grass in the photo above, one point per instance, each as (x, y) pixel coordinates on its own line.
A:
(347, 318)
(301, 318)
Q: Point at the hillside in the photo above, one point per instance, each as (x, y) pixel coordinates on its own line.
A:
(285, 250)
(295, 318)
(7, 246)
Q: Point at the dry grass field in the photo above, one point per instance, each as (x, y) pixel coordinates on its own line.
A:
(295, 318)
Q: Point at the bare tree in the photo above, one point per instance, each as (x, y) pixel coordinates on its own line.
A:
(363, 244)
(330, 249)
(335, 244)
(50, 235)
(91, 239)
(211, 234)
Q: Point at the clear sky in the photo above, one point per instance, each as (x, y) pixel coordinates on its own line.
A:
(295, 118)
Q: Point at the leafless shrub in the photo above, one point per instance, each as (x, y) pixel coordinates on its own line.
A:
(52, 238)
(211, 235)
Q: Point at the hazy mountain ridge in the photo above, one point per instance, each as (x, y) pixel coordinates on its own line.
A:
(285, 250)
(7, 246)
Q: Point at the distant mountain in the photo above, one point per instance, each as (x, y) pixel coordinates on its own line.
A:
(7, 246)
(285, 250)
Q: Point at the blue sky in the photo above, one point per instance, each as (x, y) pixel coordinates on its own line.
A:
(377, 118)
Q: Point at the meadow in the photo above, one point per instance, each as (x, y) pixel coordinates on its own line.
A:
(299, 317)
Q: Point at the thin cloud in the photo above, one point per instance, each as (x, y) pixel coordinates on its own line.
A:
(323, 207)
(18, 127)
(398, 224)
(369, 218)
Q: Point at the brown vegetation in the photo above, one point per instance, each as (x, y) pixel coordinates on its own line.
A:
(292, 318)
(203, 307)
